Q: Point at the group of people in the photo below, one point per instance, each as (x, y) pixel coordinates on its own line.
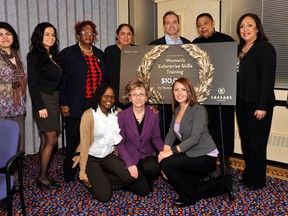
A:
(124, 148)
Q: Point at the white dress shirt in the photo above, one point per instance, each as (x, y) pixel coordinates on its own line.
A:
(106, 134)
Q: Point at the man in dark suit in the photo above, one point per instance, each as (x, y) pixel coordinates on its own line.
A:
(171, 24)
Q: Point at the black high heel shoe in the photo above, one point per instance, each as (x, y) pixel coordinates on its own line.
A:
(179, 203)
(50, 186)
(54, 181)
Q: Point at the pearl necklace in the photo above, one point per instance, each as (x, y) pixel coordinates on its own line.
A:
(85, 49)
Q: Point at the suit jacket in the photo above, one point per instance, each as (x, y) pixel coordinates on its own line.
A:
(256, 76)
(73, 86)
(42, 78)
(195, 139)
(112, 61)
(133, 146)
(162, 40)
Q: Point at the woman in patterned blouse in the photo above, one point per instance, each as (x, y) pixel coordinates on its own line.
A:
(12, 80)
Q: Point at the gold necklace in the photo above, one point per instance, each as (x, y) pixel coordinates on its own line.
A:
(139, 119)
(241, 55)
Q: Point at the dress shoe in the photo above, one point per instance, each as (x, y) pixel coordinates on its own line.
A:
(232, 193)
(252, 187)
(241, 182)
(69, 179)
(50, 185)
(54, 181)
(181, 203)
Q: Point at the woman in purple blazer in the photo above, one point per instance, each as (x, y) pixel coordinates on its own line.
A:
(141, 139)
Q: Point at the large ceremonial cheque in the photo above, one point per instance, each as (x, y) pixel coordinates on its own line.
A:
(210, 66)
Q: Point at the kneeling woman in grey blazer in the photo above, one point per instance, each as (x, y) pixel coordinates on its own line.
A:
(195, 155)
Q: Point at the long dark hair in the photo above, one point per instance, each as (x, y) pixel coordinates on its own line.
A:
(261, 36)
(38, 47)
(9, 28)
(99, 94)
(124, 25)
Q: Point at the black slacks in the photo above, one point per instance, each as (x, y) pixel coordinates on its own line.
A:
(254, 136)
(184, 174)
(148, 169)
(105, 175)
(72, 130)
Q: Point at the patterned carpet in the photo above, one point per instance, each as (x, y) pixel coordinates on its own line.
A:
(74, 199)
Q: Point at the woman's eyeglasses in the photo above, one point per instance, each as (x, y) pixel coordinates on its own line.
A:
(88, 33)
(141, 95)
(109, 96)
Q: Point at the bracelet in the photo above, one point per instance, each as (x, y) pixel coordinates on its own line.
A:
(174, 150)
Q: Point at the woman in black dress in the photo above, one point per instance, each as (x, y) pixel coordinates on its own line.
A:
(124, 37)
(44, 76)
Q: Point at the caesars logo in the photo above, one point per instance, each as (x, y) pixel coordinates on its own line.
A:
(221, 96)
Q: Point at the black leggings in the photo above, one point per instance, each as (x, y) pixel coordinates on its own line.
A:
(148, 169)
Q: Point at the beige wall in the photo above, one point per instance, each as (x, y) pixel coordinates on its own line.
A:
(140, 14)
(149, 27)
(123, 13)
(188, 10)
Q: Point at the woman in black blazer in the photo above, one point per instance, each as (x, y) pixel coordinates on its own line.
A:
(83, 70)
(255, 97)
(44, 76)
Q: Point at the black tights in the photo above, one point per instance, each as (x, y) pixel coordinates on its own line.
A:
(48, 142)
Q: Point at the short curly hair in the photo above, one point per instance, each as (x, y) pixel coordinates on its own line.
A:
(132, 85)
(80, 24)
